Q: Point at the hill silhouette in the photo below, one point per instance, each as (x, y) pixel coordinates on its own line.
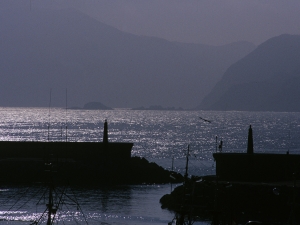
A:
(267, 79)
(58, 49)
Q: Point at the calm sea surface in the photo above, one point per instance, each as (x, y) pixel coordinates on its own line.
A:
(158, 136)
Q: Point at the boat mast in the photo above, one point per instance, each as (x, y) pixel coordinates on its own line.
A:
(183, 212)
(66, 115)
(49, 115)
(187, 164)
(172, 171)
(50, 204)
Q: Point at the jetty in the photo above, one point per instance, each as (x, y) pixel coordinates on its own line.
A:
(247, 186)
(79, 163)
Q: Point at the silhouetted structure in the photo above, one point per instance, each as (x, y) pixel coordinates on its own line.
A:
(250, 141)
(79, 163)
(105, 133)
(256, 167)
(67, 150)
(247, 186)
(101, 151)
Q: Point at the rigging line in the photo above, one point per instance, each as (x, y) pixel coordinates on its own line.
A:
(64, 194)
(43, 196)
(196, 158)
(41, 217)
(75, 201)
(59, 216)
(17, 201)
(79, 207)
(68, 209)
(12, 196)
(196, 166)
(28, 200)
(60, 198)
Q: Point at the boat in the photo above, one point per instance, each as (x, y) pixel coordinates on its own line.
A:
(56, 199)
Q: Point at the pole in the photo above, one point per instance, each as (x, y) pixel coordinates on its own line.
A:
(172, 171)
(187, 164)
(66, 115)
(50, 204)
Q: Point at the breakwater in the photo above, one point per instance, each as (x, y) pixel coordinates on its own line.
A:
(236, 202)
(78, 163)
(136, 170)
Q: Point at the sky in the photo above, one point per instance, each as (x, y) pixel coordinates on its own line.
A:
(213, 22)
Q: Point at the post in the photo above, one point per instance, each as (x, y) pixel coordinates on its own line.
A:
(105, 133)
(250, 141)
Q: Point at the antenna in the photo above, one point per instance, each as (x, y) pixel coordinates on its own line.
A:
(187, 164)
(172, 171)
(289, 143)
(49, 114)
(61, 133)
(66, 115)
(216, 143)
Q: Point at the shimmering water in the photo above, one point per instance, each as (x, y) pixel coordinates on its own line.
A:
(157, 135)
(108, 205)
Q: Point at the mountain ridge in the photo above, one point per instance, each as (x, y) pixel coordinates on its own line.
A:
(59, 49)
(264, 80)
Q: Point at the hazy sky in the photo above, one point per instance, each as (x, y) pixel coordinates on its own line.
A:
(214, 22)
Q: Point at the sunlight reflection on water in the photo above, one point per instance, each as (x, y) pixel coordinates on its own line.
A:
(158, 136)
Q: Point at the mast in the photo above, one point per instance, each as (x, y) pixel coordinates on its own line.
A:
(66, 115)
(181, 216)
(50, 204)
(105, 133)
(187, 164)
(172, 171)
(49, 115)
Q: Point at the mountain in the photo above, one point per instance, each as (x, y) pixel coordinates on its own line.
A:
(43, 49)
(267, 79)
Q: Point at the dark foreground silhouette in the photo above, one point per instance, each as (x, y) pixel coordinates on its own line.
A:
(236, 202)
(85, 172)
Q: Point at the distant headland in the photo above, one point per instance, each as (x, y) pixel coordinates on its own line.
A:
(157, 107)
(100, 106)
(93, 106)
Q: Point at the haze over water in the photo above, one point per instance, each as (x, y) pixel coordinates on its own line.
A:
(158, 136)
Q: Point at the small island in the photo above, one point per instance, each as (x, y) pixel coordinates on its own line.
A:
(93, 106)
(157, 107)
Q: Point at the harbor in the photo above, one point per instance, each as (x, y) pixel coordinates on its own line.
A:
(158, 137)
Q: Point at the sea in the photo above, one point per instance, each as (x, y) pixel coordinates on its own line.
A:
(163, 137)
